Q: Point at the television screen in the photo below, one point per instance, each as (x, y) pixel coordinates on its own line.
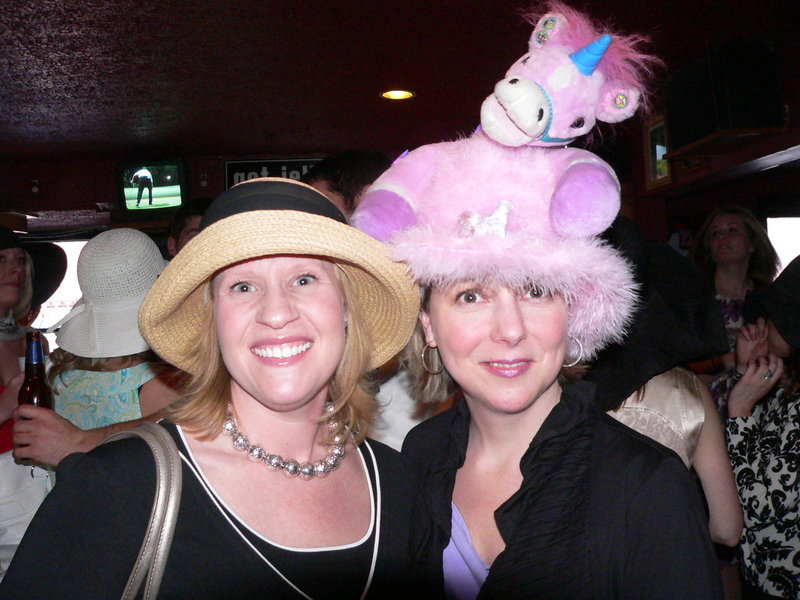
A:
(151, 185)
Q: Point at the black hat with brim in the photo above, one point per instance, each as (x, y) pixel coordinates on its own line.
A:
(677, 319)
(779, 302)
(49, 264)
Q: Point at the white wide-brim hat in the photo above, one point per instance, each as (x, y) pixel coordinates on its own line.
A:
(115, 269)
(274, 216)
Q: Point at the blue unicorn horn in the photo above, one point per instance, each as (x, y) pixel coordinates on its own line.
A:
(588, 57)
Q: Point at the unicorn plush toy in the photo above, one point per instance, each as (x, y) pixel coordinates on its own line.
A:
(572, 76)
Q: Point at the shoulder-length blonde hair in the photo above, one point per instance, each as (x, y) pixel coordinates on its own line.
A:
(764, 262)
(204, 408)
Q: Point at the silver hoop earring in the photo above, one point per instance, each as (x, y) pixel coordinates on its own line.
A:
(425, 366)
(580, 355)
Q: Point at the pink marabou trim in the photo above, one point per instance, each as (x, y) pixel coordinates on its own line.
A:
(593, 278)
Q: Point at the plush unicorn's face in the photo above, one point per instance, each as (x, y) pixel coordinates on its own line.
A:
(555, 93)
(544, 100)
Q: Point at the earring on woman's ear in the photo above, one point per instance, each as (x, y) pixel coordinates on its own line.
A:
(438, 360)
(580, 354)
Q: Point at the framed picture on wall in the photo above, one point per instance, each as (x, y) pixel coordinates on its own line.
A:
(655, 150)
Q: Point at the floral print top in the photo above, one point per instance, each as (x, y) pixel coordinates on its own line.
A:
(91, 399)
(765, 453)
(733, 317)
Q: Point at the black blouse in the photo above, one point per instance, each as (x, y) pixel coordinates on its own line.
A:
(602, 512)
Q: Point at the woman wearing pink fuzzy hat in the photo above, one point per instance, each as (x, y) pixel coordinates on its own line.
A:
(536, 493)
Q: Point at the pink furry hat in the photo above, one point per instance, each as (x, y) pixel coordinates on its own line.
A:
(482, 211)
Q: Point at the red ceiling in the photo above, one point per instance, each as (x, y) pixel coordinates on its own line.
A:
(291, 77)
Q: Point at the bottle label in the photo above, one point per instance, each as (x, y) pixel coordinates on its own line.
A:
(35, 354)
(34, 389)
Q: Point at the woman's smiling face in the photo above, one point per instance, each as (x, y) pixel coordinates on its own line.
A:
(504, 347)
(280, 322)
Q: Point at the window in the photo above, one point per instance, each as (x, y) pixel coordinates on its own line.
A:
(67, 294)
(783, 233)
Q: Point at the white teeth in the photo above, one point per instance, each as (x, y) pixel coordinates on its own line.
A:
(281, 351)
(507, 365)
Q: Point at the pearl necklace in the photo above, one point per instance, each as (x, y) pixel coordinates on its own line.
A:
(291, 467)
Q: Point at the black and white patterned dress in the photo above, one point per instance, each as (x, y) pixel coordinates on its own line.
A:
(765, 453)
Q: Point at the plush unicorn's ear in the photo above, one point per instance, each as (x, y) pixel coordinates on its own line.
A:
(547, 29)
(617, 102)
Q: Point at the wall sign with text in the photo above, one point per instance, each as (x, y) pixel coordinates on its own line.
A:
(237, 171)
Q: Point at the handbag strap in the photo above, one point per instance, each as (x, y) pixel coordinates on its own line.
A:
(153, 554)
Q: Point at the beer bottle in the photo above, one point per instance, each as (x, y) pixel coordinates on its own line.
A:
(35, 389)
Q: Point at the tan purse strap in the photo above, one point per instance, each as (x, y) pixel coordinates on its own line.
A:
(154, 552)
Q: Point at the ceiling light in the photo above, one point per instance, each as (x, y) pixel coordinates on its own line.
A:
(398, 94)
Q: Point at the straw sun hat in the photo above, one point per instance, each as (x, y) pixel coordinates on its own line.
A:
(270, 216)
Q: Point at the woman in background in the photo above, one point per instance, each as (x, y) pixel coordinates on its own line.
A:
(100, 348)
(30, 272)
(763, 429)
(103, 374)
(734, 249)
(640, 381)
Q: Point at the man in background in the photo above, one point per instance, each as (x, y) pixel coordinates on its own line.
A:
(185, 224)
(344, 176)
(144, 179)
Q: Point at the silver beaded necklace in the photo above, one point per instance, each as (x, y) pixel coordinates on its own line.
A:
(291, 467)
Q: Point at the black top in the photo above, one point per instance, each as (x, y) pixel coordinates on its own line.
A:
(84, 540)
(602, 512)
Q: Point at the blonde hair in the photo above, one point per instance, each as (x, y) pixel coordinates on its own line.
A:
(204, 408)
(763, 264)
(23, 307)
(427, 388)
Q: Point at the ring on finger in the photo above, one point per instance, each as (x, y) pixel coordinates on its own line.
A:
(768, 375)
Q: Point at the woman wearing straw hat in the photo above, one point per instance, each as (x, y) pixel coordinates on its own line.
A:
(277, 309)
(103, 374)
(535, 492)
